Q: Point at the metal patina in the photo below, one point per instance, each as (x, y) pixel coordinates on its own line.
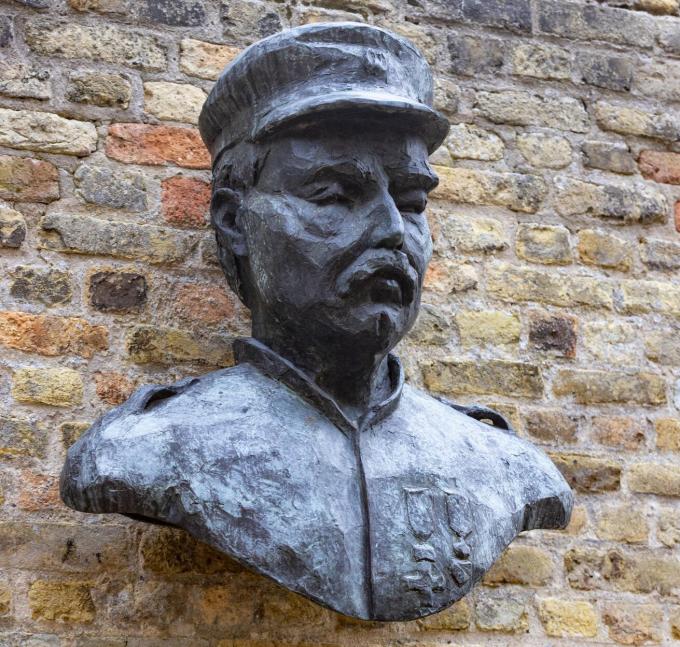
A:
(311, 461)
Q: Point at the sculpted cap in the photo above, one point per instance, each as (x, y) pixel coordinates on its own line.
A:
(321, 69)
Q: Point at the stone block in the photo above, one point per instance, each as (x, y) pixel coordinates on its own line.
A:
(634, 624)
(623, 204)
(159, 345)
(173, 101)
(650, 296)
(513, 283)
(660, 166)
(552, 425)
(597, 387)
(660, 79)
(205, 60)
(112, 291)
(636, 121)
(501, 613)
(654, 478)
(611, 342)
(456, 618)
(663, 255)
(548, 244)
(676, 216)
(490, 327)
(185, 201)
(472, 56)
(104, 42)
(113, 387)
(85, 235)
(36, 285)
(526, 109)
(70, 431)
(544, 150)
(111, 188)
(446, 276)
(20, 437)
(517, 192)
(610, 72)
(59, 387)
(597, 247)
(567, 618)
(12, 228)
(97, 89)
(450, 376)
(24, 80)
(541, 61)
(432, 326)
(594, 22)
(51, 336)
(23, 179)
(519, 564)
(44, 132)
(668, 532)
(620, 432)
(588, 474)
(207, 305)
(69, 602)
(667, 434)
(467, 141)
(622, 524)
(157, 145)
(171, 552)
(608, 156)
(473, 235)
(553, 333)
(515, 16)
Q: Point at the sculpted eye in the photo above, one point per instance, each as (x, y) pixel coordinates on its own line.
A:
(333, 193)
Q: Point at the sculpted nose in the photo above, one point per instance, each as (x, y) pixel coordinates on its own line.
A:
(389, 230)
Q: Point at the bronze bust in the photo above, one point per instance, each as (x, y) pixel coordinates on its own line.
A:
(311, 461)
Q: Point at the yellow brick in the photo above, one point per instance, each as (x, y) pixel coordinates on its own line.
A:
(60, 387)
(565, 618)
(487, 327)
(521, 565)
(668, 434)
(622, 524)
(62, 601)
(631, 624)
(455, 618)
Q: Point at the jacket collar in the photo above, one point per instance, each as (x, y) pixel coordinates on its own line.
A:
(253, 352)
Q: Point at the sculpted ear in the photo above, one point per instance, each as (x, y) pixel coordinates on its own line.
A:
(224, 208)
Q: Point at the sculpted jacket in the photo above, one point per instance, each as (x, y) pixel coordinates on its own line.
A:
(394, 519)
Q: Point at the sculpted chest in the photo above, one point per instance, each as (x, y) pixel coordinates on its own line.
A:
(373, 524)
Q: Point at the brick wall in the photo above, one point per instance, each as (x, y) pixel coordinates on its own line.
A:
(553, 295)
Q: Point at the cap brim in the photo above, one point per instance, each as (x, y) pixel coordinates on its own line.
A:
(421, 118)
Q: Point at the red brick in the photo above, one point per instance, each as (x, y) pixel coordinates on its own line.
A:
(51, 336)
(204, 304)
(185, 201)
(660, 166)
(157, 145)
(113, 387)
(28, 180)
(38, 492)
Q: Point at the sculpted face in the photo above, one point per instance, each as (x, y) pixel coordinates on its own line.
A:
(336, 236)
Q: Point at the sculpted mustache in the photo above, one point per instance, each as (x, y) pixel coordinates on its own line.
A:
(393, 265)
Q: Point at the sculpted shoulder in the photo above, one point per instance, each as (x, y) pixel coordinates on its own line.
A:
(157, 421)
(494, 456)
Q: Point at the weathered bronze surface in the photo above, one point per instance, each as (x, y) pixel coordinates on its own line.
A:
(311, 461)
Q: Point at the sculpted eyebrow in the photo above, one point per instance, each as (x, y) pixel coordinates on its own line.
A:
(350, 170)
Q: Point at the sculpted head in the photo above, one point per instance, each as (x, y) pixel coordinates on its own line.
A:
(319, 217)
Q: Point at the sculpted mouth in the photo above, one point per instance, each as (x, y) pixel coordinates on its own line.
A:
(386, 278)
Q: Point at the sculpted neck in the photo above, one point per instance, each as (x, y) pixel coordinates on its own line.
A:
(354, 378)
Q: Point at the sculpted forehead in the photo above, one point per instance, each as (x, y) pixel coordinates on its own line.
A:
(294, 159)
